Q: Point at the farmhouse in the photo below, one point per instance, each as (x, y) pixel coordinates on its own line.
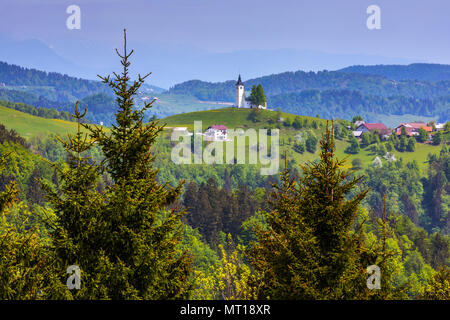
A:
(412, 129)
(372, 127)
(216, 133)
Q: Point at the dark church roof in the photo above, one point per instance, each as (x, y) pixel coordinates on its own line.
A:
(239, 82)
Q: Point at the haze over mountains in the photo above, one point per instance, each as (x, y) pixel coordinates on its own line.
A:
(174, 64)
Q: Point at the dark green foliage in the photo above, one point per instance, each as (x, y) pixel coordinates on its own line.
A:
(414, 71)
(403, 143)
(257, 96)
(353, 148)
(437, 138)
(423, 135)
(297, 124)
(436, 192)
(411, 146)
(124, 238)
(366, 138)
(331, 81)
(308, 250)
(11, 136)
(14, 75)
(311, 143)
(213, 210)
(299, 147)
(35, 194)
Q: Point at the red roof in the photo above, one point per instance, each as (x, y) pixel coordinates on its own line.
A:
(415, 125)
(374, 126)
(412, 127)
(218, 127)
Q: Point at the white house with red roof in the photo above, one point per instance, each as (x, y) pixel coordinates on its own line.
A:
(216, 132)
(365, 127)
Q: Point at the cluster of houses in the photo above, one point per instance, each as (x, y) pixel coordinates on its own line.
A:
(411, 129)
(219, 132)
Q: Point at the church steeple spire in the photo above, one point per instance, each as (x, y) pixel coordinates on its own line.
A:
(239, 82)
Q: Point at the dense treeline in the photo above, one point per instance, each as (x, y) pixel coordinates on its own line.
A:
(213, 210)
(100, 105)
(347, 104)
(13, 75)
(48, 113)
(414, 71)
(11, 136)
(289, 82)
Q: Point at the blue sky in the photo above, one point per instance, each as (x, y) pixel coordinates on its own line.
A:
(414, 29)
(417, 29)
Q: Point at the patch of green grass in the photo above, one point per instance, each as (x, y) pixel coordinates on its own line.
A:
(233, 118)
(28, 125)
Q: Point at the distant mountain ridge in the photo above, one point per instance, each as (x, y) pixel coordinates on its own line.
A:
(288, 82)
(327, 93)
(415, 71)
(342, 94)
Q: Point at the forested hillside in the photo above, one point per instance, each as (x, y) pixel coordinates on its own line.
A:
(347, 104)
(344, 94)
(415, 71)
(138, 232)
(323, 80)
(13, 75)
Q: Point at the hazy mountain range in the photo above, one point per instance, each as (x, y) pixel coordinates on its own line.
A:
(418, 89)
(174, 64)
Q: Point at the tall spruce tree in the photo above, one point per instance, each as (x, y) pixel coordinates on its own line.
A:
(310, 249)
(125, 238)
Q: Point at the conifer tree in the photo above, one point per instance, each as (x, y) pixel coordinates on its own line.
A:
(310, 249)
(123, 239)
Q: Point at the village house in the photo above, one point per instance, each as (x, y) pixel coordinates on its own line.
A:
(216, 133)
(382, 130)
(412, 128)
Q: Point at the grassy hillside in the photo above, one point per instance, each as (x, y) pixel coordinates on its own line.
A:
(239, 118)
(231, 117)
(28, 126)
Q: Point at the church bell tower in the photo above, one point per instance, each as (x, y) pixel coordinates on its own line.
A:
(240, 94)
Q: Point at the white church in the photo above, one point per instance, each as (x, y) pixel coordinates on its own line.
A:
(240, 97)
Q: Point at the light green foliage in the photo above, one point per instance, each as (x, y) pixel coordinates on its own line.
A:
(228, 279)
